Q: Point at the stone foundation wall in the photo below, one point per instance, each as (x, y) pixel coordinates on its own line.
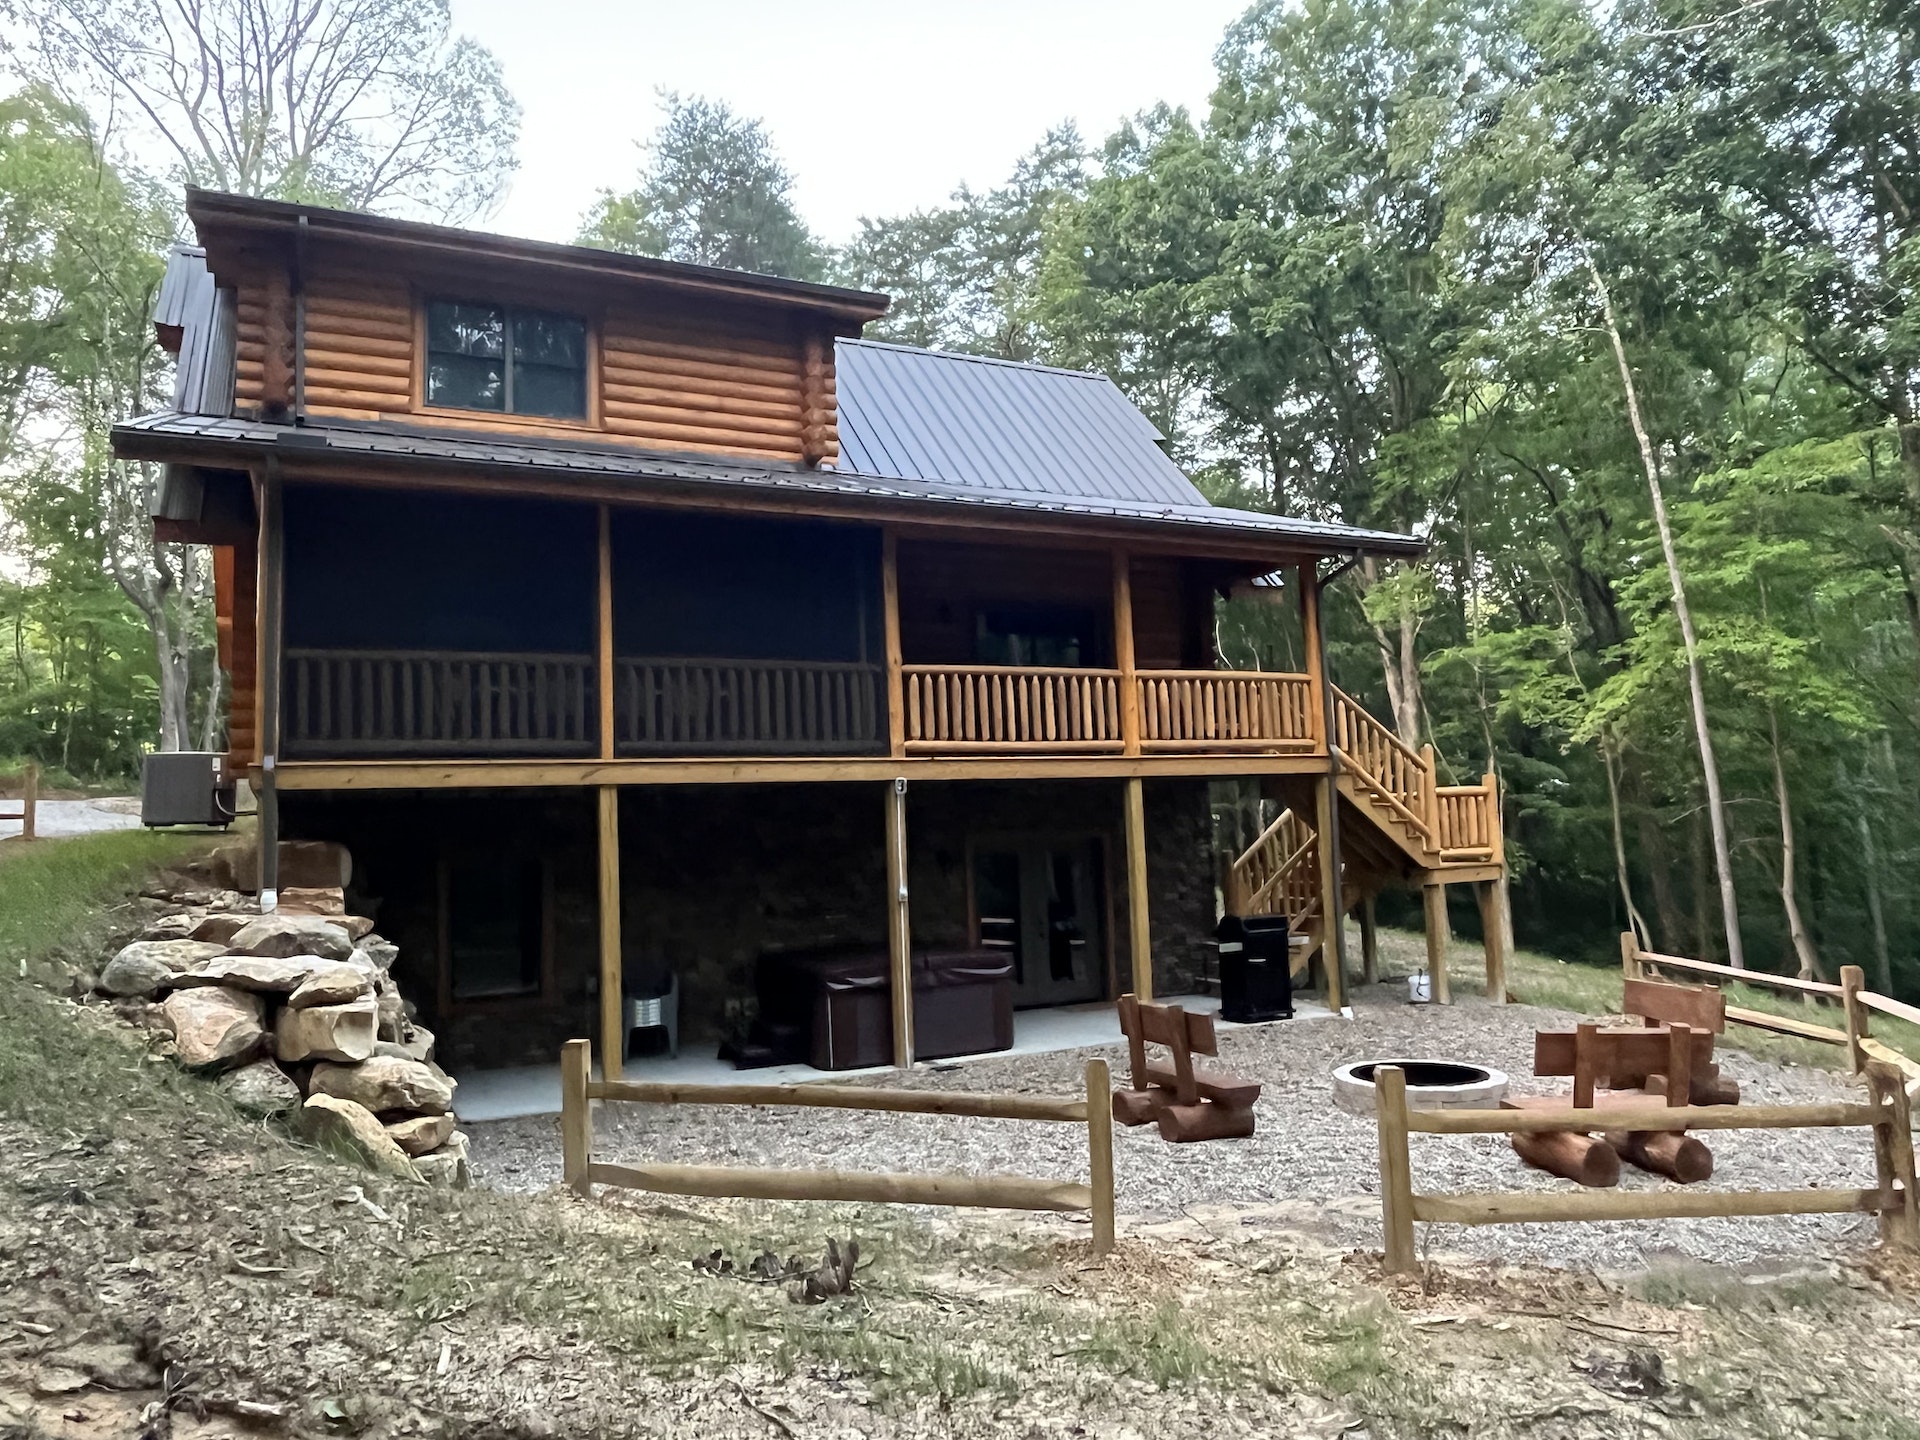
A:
(711, 876)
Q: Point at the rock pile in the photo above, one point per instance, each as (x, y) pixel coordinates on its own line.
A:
(295, 1014)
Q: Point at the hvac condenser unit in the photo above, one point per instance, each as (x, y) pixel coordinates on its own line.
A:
(186, 787)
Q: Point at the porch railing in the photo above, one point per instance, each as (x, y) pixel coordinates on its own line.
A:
(394, 702)
(762, 707)
(1225, 710)
(1010, 707)
(1468, 821)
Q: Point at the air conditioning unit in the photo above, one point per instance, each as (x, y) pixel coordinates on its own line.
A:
(186, 787)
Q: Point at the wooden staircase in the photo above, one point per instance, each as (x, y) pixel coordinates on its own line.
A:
(1398, 826)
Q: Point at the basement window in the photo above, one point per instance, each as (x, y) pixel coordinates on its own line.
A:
(506, 359)
(494, 914)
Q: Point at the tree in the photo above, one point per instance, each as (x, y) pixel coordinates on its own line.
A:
(713, 192)
(368, 104)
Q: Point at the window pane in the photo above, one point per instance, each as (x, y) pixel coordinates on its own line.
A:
(549, 390)
(466, 329)
(470, 384)
(543, 339)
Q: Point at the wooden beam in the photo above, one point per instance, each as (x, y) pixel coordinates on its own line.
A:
(890, 622)
(1499, 1208)
(1099, 1106)
(1631, 1115)
(1123, 652)
(1139, 930)
(1434, 902)
(968, 1103)
(1330, 917)
(272, 595)
(717, 770)
(1859, 1026)
(604, 633)
(899, 925)
(1309, 585)
(1494, 940)
(1396, 1168)
(998, 1192)
(1785, 1025)
(612, 1025)
(1369, 943)
(576, 1116)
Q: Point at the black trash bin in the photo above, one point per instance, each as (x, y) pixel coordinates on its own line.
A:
(1256, 978)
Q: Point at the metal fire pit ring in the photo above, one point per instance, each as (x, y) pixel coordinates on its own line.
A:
(1431, 1085)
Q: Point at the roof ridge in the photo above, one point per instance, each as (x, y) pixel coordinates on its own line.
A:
(976, 359)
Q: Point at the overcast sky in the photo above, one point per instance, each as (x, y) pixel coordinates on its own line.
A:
(877, 106)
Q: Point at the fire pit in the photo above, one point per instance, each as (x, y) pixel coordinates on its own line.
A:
(1431, 1085)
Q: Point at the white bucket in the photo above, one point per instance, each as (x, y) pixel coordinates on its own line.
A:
(1419, 989)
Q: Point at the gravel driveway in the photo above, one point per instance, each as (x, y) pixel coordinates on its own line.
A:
(52, 818)
(1310, 1168)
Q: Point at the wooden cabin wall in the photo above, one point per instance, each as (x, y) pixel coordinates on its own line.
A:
(664, 374)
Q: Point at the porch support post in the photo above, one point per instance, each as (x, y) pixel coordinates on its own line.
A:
(1493, 928)
(890, 635)
(1310, 644)
(267, 681)
(1332, 918)
(1123, 654)
(1369, 943)
(1434, 901)
(604, 632)
(1139, 933)
(612, 1029)
(899, 928)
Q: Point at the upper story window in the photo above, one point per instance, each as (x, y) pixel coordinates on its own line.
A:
(506, 359)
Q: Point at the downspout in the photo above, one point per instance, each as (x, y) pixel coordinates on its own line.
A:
(1336, 922)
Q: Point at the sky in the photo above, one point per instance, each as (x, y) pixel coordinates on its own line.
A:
(877, 106)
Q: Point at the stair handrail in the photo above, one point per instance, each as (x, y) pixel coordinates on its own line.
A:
(1352, 719)
(1283, 875)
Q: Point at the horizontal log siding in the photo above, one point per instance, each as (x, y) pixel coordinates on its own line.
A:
(359, 346)
(721, 383)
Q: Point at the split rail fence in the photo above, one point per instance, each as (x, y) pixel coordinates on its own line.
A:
(1003, 1192)
(1887, 1114)
(28, 804)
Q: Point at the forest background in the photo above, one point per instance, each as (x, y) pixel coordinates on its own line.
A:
(1615, 303)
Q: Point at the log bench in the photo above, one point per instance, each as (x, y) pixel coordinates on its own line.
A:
(1669, 1059)
(1187, 1102)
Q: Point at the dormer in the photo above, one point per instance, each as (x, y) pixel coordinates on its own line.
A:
(344, 316)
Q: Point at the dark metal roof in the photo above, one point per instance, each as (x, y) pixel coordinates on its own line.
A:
(203, 318)
(996, 425)
(232, 441)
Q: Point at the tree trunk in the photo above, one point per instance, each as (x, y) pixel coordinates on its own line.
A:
(1399, 661)
(1803, 951)
(1635, 921)
(1697, 852)
(1716, 809)
(211, 730)
(1870, 874)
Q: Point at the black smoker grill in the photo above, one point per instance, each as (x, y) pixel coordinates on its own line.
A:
(1256, 981)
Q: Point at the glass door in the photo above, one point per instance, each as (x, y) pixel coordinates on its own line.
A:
(1040, 901)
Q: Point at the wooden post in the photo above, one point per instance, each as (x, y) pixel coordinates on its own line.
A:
(1434, 901)
(1100, 1153)
(1494, 940)
(1396, 1168)
(612, 1024)
(1310, 646)
(267, 681)
(1331, 919)
(1430, 797)
(890, 636)
(1369, 943)
(1139, 933)
(29, 799)
(576, 1116)
(1893, 1155)
(1123, 652)
(1852, 981)
(1630, 967)
(899, 930)
(604, 630)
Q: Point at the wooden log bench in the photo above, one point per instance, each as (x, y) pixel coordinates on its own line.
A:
(1672, 1060)
(1187, 1103)
(1701, 1008)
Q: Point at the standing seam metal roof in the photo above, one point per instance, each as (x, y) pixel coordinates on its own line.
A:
(995, 424)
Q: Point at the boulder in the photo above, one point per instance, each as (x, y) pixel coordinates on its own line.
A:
(172, 927)
(214, 1028)
(221, 928)
(351, 1130)
(304, 865)
(149, 965)
(381, 952)
(355, 925)
(334, 984)
(261, 1088)
(448, 1165)
(417, 1044)
(312, 900)
(422, 1133)
(393, 1016)
(256, 972)
(326, 1032)
(284, 935)
(384, 1083)
(112, 1367)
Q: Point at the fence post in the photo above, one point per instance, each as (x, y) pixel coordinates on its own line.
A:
(1852, 981)
(1893, 1155)
(1630, 957)
(29, 799)
(1100, 1153)
(576, 1116)
(1396, 1167)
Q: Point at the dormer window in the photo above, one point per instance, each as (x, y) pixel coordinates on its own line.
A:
(507, 360)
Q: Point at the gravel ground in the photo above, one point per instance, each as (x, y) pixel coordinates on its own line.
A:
(1310, 1168)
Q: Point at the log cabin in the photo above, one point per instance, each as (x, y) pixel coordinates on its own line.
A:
(639, 626)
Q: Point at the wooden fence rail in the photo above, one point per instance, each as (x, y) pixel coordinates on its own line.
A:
(1225, 710)
(578, 1091)
(29, 802)
(959, 708)
(1889, 1116)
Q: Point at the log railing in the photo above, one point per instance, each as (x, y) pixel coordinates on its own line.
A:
(1279, 874)
(760, 707)
(960, 708)
(398, 702)
(1400, 777)
(1225, 710)
(1467, 820)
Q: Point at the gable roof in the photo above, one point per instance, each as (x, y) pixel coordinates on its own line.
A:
(998, 425)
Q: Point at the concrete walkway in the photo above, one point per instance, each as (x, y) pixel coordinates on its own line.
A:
(535, 1089)
(55, 818)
